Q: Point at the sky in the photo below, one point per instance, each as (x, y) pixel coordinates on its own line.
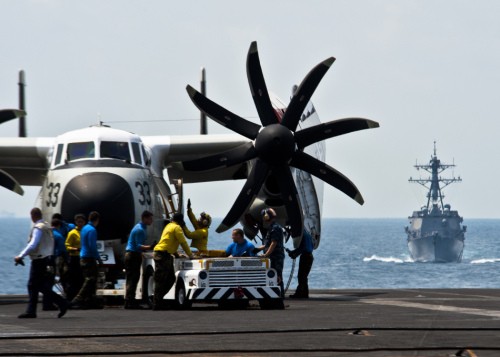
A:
(425, 70)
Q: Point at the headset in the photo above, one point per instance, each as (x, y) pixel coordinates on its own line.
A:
(206, 220)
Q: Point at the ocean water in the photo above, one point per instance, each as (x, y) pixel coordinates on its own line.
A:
(353, 254)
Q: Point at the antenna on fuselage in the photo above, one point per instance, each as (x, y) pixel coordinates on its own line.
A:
(203, 90)
(22, 104)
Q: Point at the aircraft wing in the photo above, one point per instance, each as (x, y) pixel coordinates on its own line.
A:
(24, 160)
(167, 152)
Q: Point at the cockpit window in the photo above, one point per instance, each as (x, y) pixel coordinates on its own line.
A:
(147, 159)
(59, 152)
(115, 150)
(83, 150)
(137, 153)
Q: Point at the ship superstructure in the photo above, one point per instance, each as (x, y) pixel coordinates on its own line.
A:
(435, 233)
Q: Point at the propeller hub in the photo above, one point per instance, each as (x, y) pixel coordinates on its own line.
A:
(275, 144)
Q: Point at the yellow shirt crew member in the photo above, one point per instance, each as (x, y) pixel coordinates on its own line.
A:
(73, 243)
(171, 238)
(199, 236)
(163, 255)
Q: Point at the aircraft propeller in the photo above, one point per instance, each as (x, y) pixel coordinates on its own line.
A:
(7, 180)
(8, 114)
(276, 145)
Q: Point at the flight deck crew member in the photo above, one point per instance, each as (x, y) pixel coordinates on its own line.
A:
(75, 277)
(88, 262)
(163, 255)
(305, 250)
(240, 246)
(60, 253)
(40, 249)
(61, 229)
(59, 261)
(65, 226)
(133, 258)
(274, 246)
(199, 236)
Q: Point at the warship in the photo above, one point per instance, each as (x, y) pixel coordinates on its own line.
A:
(435, 233)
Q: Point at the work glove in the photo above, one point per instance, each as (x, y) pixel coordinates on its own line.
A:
(189, 204)
(153, 245)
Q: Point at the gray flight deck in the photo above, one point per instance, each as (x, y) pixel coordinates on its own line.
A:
(416, 322)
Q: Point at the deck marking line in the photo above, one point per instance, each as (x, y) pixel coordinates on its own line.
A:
(416, 305)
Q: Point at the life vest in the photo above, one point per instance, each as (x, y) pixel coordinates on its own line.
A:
(46, 246)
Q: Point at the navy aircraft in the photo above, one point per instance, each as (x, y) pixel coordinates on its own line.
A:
(120, 174)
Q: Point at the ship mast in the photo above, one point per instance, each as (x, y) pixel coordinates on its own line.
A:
(435, 183)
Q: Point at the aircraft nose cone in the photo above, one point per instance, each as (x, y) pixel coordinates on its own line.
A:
(106, 193)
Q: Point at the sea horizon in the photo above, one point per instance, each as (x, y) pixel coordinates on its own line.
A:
(354, 253)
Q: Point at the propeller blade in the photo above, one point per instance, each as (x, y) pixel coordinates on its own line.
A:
(258, 87)
(223, 116)
(10, 183)
(330, 129)
(8, 114)
(304, 93)
(291, 199)
(326, 173)
(228, 158)
(254, 182)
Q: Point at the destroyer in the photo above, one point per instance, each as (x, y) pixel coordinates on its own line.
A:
(435, 233)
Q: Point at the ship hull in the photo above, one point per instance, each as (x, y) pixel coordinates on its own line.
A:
(436, 249)
(436, 237)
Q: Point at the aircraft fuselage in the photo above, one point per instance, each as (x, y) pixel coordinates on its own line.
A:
(104, 170)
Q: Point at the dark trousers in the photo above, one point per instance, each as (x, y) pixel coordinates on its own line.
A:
(164, 276)
(277, 263)
(74, 278)
(86, 295)
(41, 280)
(60, 270)
(305, 264)
(133, 261)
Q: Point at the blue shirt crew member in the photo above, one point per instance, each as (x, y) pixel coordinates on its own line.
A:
(240, 246)
(88, 241)
(59, 260)
(137, 236)
(88, 262)
(133, 258)
(59, 243)
(305, 250)
(65, 227)
(40, 248)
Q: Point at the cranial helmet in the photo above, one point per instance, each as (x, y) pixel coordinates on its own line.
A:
(268, 213)
(206, 219)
